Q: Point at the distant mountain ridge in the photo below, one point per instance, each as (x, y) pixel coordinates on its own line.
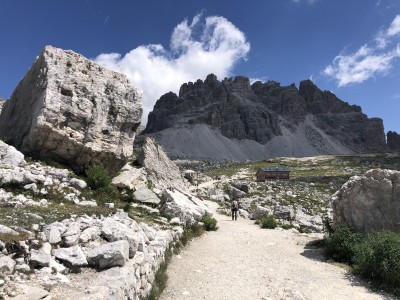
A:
(252, 121)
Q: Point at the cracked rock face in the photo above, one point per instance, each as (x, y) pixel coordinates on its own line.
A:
(370, 202)
(71, 110)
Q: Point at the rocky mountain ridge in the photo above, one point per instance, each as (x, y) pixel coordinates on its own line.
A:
(280, 119)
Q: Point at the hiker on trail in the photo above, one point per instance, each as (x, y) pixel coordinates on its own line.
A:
(234, 208)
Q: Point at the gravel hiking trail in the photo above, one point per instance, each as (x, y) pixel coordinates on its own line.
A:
(243, 261)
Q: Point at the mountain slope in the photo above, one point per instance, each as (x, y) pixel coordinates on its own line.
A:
(232, 119)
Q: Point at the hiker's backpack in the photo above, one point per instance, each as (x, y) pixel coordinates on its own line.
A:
(235, 204)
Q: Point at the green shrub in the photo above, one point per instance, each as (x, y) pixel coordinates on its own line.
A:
(286, 226)
(378, 258)
(210, 224)
(98, 178)
(342, 243)
(268, 222)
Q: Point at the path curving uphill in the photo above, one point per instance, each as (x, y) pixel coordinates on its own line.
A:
(241, 261)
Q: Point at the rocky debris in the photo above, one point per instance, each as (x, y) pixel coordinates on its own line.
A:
(261, 212)
(233, 120)
(283, 212)
(184, 206)
(31, 293)
(161, 171)
(112, 230)
(369, 202)
(74, 111)
(393, 140)
(119, 275)
(312, 222)
(7, 230)
(10, 156)
(109, 255)
(38, 180)
(144, 195)
(41, 257)
(7, 265)
(72, 256)
(131, 178)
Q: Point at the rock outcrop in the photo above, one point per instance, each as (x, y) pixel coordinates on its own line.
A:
(393, 140)
(231, 119)
(370, 202)
(162, 173)
(71, 110)
(2, 101)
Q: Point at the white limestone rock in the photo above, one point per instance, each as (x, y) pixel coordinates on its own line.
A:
(73, 256)
(73, 110)
(370, 202)
(89, 234)
(109, 255)
(113, 230)
(7, 265)
(284, 212)
(10, 156)
(7, 230)
(184, 206)
(144, 195)
(161, 171)
(42, 257)
(261, 212)
(31, 293)
(79, 182)
(88, 203)
(130, 178)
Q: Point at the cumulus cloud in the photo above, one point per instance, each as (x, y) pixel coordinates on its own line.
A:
(369, 60)
(205, 45)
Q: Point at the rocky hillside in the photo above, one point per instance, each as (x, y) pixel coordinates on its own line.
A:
(232, 119)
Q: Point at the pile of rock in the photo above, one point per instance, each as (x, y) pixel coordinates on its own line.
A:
(37, 180)
(116, 243)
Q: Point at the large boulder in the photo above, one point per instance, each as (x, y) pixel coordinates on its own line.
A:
(161, 171)
(70, 109)
(370, 202)
(184, 206)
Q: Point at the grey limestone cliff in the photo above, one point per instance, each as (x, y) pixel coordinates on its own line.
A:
(251, 121)
(71, 110)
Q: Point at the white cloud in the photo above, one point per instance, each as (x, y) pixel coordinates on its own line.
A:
(369, 60)
(206, 45)
(394, 28)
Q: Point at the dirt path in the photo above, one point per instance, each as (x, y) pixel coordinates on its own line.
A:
(241, 261)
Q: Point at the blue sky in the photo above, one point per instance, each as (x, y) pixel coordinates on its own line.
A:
(350, 47)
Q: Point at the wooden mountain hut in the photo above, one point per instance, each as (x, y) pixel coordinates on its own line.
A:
(264, 174)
